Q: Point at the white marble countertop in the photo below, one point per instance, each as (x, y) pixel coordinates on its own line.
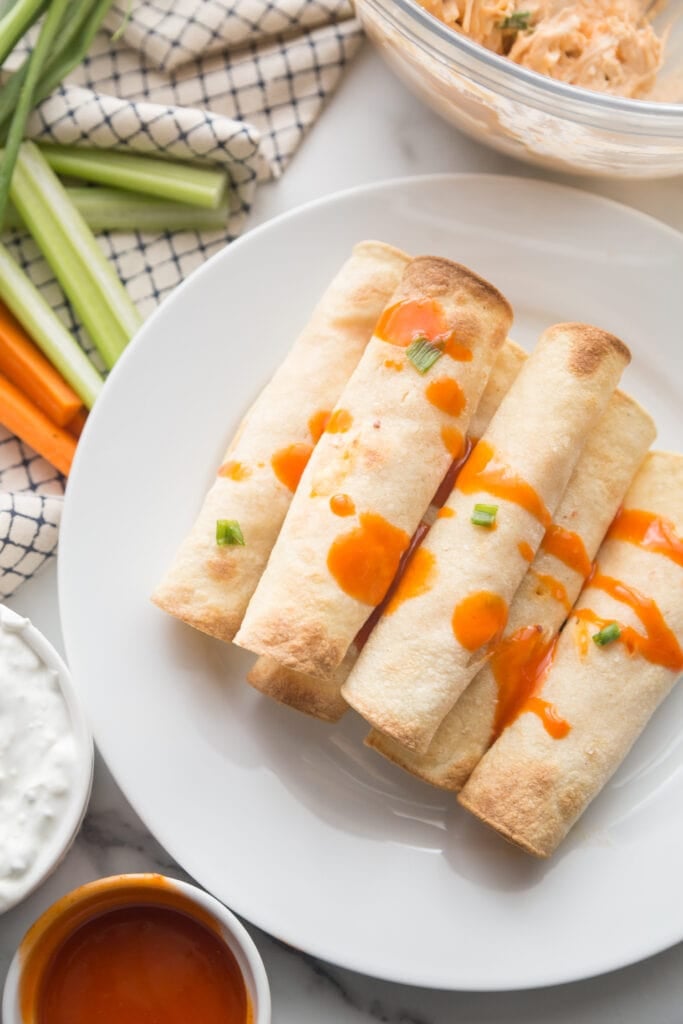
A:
(373, 129)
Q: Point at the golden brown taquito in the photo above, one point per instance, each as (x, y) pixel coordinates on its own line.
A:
(606, 467)
(209, 585)
(399, 423)
(321, 698)
(616, 659)
(452, 603)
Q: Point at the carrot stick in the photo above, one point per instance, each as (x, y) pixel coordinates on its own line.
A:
(75, 426)
(25, 365)
(23, 418)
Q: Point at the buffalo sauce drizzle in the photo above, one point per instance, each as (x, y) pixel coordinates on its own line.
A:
(422, 577)
(234, 470)
(649, 531)
(520, 664)
(482, 472)
(567, 547)
(658, 645)
(415, 319)
(290, 462)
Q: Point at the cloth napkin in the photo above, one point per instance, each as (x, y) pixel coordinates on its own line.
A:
(231, 82)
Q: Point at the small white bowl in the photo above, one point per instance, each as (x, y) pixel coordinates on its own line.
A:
(59, 921)
(53, 852)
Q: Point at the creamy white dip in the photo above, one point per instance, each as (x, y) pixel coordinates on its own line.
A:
(38, 761)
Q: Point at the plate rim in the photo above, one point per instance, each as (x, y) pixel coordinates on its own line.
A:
(606, 963)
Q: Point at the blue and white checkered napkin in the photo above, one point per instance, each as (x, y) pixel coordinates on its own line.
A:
(233, 82)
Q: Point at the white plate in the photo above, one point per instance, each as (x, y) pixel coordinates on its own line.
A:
(292, 823)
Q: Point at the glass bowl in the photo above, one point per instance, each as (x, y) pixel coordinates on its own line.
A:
(525, 114)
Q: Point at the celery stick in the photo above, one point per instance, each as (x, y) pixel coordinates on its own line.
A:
(48, 332)
(112, 209)
(57, 10)
(167, 179)
(17, 20)
(80, 266)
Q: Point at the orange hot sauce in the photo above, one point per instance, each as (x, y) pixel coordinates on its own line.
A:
(234, 471)
(453, 440)
(447, 395)
(317, 424)
(659, 645)
(482, 473)
(142, 965)
(520, 664)
(478, 619)
(364, 561)
(290, 462)
(416, 579)
(555, 588)
(648, 531)
(342, 505)
(408, 321)
(339, 422)
(567, 547)
(526, 551)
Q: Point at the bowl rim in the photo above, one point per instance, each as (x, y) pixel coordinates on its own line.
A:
(600, 101)
(62, 839)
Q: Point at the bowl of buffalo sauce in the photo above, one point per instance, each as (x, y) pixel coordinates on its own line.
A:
(139, 949)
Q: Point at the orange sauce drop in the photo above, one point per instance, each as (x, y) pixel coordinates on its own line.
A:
(445, 513)
(526, 551)
(447, 395)
(417, 578)
(366, 629)
(453, 440)
(478, 619)
(290, 462)
(520, 664)
(339, 422)
(317, 424)
(659, 645)
(482, 473)
(234, 471)
(567, 547)
(406, 321)
(393, 364)
(342, 505)
(555, 588)
(364, 561)
(648, 531)
(139, 965)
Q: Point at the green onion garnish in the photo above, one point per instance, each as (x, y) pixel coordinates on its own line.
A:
(484, 515)
(423, 354)
(607, 635)
(228, 532)
(519, 21)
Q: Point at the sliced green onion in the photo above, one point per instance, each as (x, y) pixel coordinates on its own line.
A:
(423, 354)
(113, 209)
(228, 531)
(518, 21)
(17, 20)
(80, 266)
(70, 46)
(607, 635)
(484, 515)
(48, 332)
(167, 179)
(57, 10)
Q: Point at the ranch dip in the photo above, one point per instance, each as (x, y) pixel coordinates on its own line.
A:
(38, 760)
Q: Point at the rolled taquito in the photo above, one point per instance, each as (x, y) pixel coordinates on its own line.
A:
(400, 422)
(321, 698)
(209, 584)
(606, 467)
(452, 603)
(616, 659)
